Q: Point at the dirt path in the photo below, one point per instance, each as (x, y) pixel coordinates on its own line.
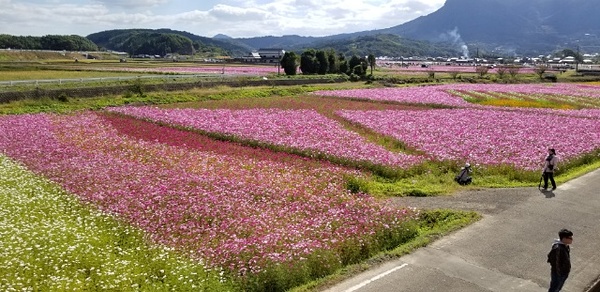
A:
(485, 201)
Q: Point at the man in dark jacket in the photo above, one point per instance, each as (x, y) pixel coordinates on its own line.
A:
(560, 260)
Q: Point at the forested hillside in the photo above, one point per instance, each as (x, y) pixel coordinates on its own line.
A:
(48, 42)
(163, 41)
(384, 45)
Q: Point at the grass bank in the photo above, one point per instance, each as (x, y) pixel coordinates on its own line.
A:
(433, 225)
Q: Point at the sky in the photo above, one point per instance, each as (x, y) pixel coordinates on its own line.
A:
(234, 18)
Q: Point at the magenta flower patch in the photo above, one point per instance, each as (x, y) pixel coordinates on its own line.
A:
(237, 213)
(492, 137)
(304, 130)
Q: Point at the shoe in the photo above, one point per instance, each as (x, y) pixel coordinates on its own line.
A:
(544, 189)
(553, 188)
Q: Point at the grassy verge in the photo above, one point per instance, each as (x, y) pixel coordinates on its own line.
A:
(51, 242)
(433, 179)
(431, 226)
(222, 93)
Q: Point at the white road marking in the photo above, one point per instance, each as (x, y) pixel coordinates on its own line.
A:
(365, 283)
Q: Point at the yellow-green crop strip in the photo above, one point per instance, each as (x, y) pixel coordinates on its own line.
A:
(49, 241)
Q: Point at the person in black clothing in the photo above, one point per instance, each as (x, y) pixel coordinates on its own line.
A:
(560, 260)
(463, 177)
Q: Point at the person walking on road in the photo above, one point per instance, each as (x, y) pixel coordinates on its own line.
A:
(549, 168)
(560, 260)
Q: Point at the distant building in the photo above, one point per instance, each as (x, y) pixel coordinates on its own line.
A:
(271, 55)
(263, 56)
(568, 60)
(252, 57)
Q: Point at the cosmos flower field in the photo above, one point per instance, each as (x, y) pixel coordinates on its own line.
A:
(239, 214)
(186, 178)
(303, 130)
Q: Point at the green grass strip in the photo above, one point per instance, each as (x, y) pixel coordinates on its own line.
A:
(431, 225)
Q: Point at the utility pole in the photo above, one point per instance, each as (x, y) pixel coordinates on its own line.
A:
(577, 60)
(278, 61)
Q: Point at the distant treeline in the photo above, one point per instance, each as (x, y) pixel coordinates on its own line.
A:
(155, 42)
(48, 42)
(134, 42)
(152, 43)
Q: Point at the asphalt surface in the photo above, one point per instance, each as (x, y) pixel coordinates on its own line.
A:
(506, 250)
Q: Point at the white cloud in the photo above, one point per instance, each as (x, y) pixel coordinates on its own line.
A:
(237, 14)
(132, 4)
(235, 18)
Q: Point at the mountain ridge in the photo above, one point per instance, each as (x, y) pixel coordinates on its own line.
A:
(471, 27)
(493, 26)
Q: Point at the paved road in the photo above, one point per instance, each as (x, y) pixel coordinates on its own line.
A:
(506, 250)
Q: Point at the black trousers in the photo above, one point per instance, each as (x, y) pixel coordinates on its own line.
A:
(549, 176)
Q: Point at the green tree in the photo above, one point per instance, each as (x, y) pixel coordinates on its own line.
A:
(371, 60)
(358, 70)
(334, 65)
(68, 43)
(289, 62)
(353, 62)
(344, 67)
(365, 64)
(322, 62)
(308, 62)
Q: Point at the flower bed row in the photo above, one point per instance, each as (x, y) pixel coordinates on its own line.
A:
(240, 214)
(492, 137)
(303, 130)
(439, 95)
(432, 95)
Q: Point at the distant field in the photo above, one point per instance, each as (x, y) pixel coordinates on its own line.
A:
(31, 55)
(58, 74)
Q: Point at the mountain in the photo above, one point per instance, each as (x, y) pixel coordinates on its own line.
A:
(285, 41)
(381, 45)
(526, 27)
(489, 27)
(468, 27)
(130, 40)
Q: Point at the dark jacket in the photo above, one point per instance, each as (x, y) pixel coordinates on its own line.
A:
(560, 259)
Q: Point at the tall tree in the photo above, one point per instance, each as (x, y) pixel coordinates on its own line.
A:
(334, 66)
(354, 61)
(323, 62)
(308, 61)
(289, 62)
(344, 68)
(371, 59)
